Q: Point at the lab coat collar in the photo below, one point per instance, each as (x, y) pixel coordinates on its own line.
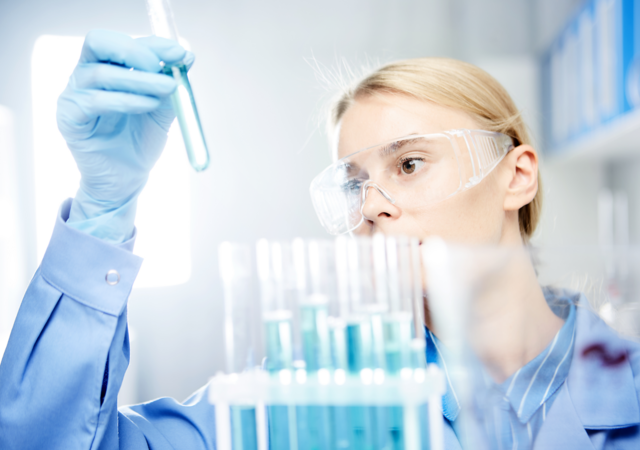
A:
(563, 428)
(601, 383)
(526, 388)
(436, 353)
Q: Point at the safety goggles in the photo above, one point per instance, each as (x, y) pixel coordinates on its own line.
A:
(415, 171)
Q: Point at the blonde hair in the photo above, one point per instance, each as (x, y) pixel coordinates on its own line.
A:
(455, 84)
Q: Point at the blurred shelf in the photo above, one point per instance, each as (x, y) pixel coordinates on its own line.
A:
(615, 140)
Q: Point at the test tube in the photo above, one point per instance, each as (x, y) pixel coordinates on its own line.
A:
(363, 430)
(358, 330)
(314, 308)
(418, 343)
(337, 324)
(314, 269)
(381, 306)
(184, 104)
(235, 271)
(398, 321)
(337, 321)
(277, 319)
(276, 314)
(398, 331)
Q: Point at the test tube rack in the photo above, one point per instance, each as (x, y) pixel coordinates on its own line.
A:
(414, 389)
(342, 363)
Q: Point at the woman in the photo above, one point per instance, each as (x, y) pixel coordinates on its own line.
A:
(528, 349)
(68, 351)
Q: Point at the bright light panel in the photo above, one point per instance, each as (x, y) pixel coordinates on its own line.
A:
(12, 249)
(164, 211)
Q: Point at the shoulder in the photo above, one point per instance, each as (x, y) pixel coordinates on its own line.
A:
(599, 342)
(604, 376)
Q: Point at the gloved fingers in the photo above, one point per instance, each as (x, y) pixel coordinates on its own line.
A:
(116, 78)
(118, 48)
(166, 50)
(189, 59)
(94, 103)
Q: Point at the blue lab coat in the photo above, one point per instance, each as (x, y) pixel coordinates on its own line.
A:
(69, 349)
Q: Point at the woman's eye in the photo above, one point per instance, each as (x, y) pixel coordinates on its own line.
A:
(411, 165)
(352, 185)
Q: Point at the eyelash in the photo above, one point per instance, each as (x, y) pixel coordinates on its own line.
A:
(409, 158)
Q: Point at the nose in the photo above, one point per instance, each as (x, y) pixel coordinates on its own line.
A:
(378, 205)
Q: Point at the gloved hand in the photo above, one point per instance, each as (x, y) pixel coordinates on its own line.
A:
(115, 114)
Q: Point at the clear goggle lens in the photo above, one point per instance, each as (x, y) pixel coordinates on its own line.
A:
(417, 170)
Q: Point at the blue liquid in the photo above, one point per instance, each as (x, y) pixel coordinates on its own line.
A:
(315, 336)
(397, 349)
(281, 424)
(278, 340)
(395, 427)
(340, 430)
(362, 427)
(243, 427)
(338, 414)
(397, 342)
(279, 356)
(359, 345)
(184, 105)
(314, 431)
(361, 419)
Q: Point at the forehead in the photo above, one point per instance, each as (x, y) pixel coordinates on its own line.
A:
(378, 118)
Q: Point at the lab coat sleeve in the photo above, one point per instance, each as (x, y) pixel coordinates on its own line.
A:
(68, 353)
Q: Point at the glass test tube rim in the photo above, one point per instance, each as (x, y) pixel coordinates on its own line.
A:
(277, 315)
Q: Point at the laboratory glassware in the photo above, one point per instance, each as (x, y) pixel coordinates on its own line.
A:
(277, 314)
(239, 335)
(312, 261)
(370, 406)
(335, 375)
(413, 171)
(184, 104)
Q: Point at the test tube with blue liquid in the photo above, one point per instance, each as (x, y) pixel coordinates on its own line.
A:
(313, 302)
(359, 342)
(414, 289)
(278, 332)
(348, 311)
(240, 343)
(397, 324)
(184, 104)
(313, 274)
(358, 326)
(337, 321)
(337, 325)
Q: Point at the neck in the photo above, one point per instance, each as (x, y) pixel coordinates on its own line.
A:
(511, 327)
(509, 321)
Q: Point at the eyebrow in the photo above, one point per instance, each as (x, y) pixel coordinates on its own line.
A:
(397, 145)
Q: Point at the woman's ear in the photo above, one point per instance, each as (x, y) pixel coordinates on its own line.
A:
(522, 164)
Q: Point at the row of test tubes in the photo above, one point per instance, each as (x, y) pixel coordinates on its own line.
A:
(325, 347)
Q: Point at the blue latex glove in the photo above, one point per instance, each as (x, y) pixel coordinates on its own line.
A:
(115, 121)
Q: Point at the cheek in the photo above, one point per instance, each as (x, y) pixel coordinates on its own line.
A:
(473, 217)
